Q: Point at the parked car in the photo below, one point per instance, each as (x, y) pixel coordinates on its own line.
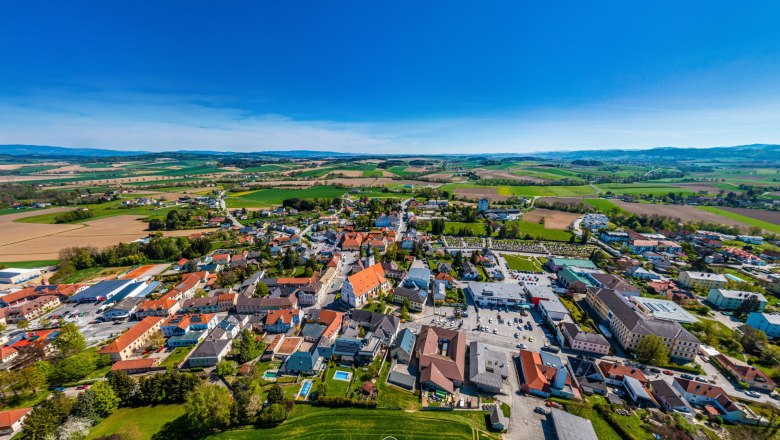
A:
(82, 387)
(687, 376)
(517, 336)
(495, 331)
(655, 370)
(752, 394)
(668, 373)
(521, 346)
(540, 410)
(701, 379)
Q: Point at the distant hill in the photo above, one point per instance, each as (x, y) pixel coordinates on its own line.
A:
(757, 152)
(45, 150)
(761, 152)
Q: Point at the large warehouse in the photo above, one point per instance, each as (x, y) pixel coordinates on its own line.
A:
(16, 276)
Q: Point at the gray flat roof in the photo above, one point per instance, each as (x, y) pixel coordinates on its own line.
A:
(496, 290)
(571, 427)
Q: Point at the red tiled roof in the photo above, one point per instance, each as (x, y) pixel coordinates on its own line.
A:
(131, 335)
(135, 364)
(367, 279)
(617, 371)
(8, 418)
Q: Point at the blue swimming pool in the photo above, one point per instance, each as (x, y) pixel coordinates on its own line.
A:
(305, 389)
(269, 375)
(342, 375)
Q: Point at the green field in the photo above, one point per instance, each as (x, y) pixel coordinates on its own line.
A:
(30, 264)
(264, 168)
(400, 171)
(742, 218)
(275, 196)
(475, 229)
(147, 420)
(603, 205)
(317, 172)
(644, 188)
(100, 210)
(526, 264)
(539, 232)
(309, 422)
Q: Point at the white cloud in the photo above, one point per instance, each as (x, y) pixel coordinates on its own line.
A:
(162, 122)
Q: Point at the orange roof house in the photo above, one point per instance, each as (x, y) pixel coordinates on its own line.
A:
(158, 307)
(352, 241)
(122, 348)
(614, 372)
(367, 283)
(332, 321)
(11, 421)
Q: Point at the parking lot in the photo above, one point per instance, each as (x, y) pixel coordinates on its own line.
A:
(85, 315)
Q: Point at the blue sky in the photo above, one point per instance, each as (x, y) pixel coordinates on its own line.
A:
(389, 77)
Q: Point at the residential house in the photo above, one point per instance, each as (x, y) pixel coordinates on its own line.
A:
(615, 373)
(136, 366)
(725, 299)
(12, 421)
(744, 373)
(402, 350)
(135, 339)
(581, 340)
(768, 323)
(587, 375)
(303, 362)
(469, 272)
(33, 309)
(669, 398)
(282, 321)
(544, 375)
(702, 280)
(157, 307)
(567, 426)
(715, 401)
(415, 297)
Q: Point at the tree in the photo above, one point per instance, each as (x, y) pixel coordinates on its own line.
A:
(247, 403)
(69, 340)
(23, 324)
(404, 313)
(261, 289)
(44, 419)
(207, 408)
(275, 394)
(226, 368)
(156, 340)
(106, 401)
(123, 385)
(652, 350)
(248, 348)
(753, 340)
(73, 368)
(751, 304)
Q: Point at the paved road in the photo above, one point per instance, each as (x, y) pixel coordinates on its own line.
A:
(222, 205)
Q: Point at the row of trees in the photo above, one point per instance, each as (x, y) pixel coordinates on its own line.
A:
(175, 219)
(72, 216)
(124, 254)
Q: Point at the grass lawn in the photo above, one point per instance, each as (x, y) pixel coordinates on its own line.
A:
(30, 264)
(23, 402)
(475, 229)
(393, 397)
(92, 272)
(338, 387)
(539, 232)
(147, 419)
(528, 264)
(742, 218)
(308, 422)
(177, 355)
(603, 205)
